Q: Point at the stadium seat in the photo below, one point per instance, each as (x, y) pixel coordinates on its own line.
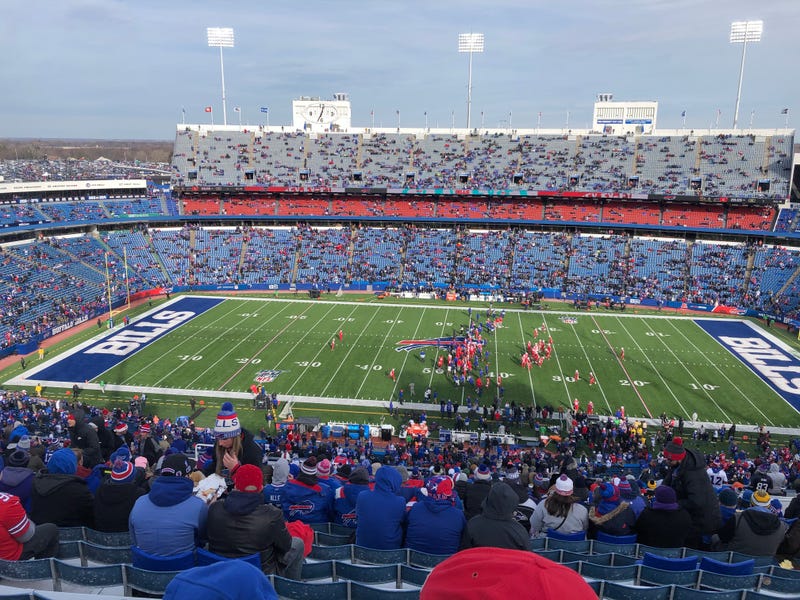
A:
(425, 560)
(582, 546)
(568, 537)
(104, 538)
(151, 562)
(379, 557)
(781, 585)
(369, 574)
(609, 573)
(668, 552)
(361, 591)
(665, 563)
(288, 588)
(599, 547)
(70, 534)
(27, 570)
(143, 580)
(324, 569)
(332, 539)
(616, 539)
(657, 576)
(619, 591)
(725, 568)
(685, 593)
(205, 557)
(714, 581)
(68, 550)
(331, 552)
(96, 577)
(108, 555)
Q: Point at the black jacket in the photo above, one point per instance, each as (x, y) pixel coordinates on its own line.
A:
(113, 503)
(619, 521)
(663, 528)
(85, 437)
(242, 524)
(695, 493)
(251, 454)
(61, 499)
(474, 496)
(496, 526)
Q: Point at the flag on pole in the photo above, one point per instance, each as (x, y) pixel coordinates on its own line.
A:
(264, 109)
(237, 109)
(785, 111)
(540, 114)
(683, 113)
(208, 109)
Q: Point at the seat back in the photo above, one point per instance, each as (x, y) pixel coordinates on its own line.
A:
(724, 568)
(616, 539)
(206, 557)
(669, 564)
(151, 562)
(567, 537)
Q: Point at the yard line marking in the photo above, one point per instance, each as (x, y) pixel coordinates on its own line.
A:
(530, 377)
(264, 347)
(622, 365)
(350, 349)
(722, 373)
(435, 358)
(598, 383)
(560, 370)
(383, 345)
(407, 354)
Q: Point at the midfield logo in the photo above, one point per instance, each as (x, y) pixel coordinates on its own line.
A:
(442, 342)
(267, 376)
(568, 320)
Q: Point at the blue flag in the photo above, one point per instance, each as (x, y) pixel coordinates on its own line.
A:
(264, 109)
(683, 114)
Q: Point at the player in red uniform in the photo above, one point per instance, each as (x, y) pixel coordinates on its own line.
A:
(592, 379)
(577, 375)
(622, 353)
(341, 335)
(576, 405)
(590, 408)
(333, 344)
(392, 376)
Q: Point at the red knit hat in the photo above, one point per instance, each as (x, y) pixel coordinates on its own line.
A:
(248, 478)
(674, 449)
(476, 574)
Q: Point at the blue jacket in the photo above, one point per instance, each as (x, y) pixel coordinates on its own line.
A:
(381, 513)
(170, 519)
(435, 526)
(273, 494)
(344, 503)
(307, 503)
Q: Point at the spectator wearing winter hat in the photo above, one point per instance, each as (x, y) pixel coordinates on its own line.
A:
(17, 479)
(59, 496)
(728, 501)
(559, 511)
(242, 524)
(381, 513)
(610, 514)
(756, 531)
(233, 445)
(116, 496)
(146, 446)
(778, 480)
(664, 524)
(345, 498)
(477, 491)
(224, 580)
(324, 475)
(83, 436)
(305, 499)
(475, 574)
(629, 492)
(273, 492)
(170, 519)
(496, 525)
(122, 437)
(687, 476)
(435, 524)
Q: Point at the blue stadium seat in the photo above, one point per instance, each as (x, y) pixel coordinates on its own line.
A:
(104, 538)
(668, 552)
(425, 560)
(599, 547)
(578, 536)
(684, 593)
(143, 580)
(332, 539)
(665, 563)
(369, 574)
(724, 568)
(331, 552)
(300, 590)
(108, 555)
(206, 557)
(98, 577)
(657, 576)
(609, 573)
(781, 585)
(715, 581)
(325, 569)
(27, 570)
(618, 591)
(616, 539)
(68, 550)
(151, 562)
(70, 534)
(379, 557)
(361, 591)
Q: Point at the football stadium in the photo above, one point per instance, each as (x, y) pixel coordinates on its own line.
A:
(373, 349)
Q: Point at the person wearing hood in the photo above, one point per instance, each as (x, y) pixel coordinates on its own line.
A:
(629, 492)
(242, 524)
(104, 436)
(224, 580)
(305, 499)
(435, 524)
(345, 498)
(687, 476)
(273, 492)
(381, 512)
(496, 525)
(17, 478)
(756, 531)
(778, 486)
(170, 519)
(610, 514)
(477, 492)
(666, 523)
(116, 496)
(59, 496)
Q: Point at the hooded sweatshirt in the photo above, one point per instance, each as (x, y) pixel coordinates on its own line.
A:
(435, 526)
(756, 531)
(170, 519)
(345, 498)
(61, 499)
(381, 513)
(496, 525)
(778, 480)
(225, 580)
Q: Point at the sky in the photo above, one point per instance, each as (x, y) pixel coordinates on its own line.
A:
(125, 69)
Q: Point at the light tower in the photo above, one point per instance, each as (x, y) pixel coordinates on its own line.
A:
(470, 43)
(221, 37)
(743, 32)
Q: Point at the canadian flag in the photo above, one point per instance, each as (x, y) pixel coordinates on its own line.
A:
(208, 109)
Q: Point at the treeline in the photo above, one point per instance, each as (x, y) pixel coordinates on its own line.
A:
(115, 150)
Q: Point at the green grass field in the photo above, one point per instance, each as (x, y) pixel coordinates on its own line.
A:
(671, 365)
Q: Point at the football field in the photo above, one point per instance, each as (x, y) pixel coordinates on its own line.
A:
(718, 369)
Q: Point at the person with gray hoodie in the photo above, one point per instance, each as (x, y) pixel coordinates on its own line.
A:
(778, 487)
(496, 525)
(273, 492)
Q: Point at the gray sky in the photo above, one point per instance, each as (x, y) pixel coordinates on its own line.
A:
(124, 69)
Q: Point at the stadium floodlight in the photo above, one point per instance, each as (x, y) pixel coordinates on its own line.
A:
(470, 43)
(221, 37)
(743, 32)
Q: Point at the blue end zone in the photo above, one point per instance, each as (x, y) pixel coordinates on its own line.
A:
(90, 360)
(769, 358)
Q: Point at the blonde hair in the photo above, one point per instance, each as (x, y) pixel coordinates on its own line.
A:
(236, 450)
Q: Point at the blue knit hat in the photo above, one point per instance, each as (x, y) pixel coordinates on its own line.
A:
(224, 580)
(483, 472)
(227, 424)
(63, 461)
